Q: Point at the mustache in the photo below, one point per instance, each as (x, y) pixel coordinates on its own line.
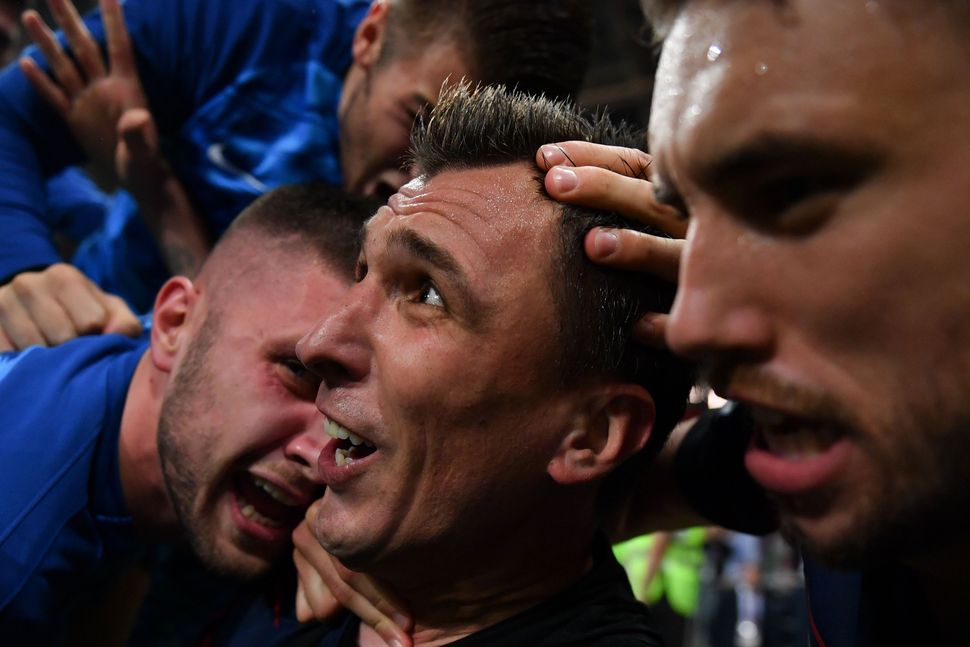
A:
(759, 386)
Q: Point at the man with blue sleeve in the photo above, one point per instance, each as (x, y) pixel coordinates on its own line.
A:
(248, 95)
(203, 428)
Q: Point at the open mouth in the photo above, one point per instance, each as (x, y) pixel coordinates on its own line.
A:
(792, 438)
(266, 504)
(349, 446)
(791, 455)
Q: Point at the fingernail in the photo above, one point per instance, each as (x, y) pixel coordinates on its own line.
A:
(400, 620)
(644, 328)
(395, 643)
(605, 243)
(564, 179)
(552, 155)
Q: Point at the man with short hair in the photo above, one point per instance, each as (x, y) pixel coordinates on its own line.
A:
(246, 95)
(205, 432)
(483, 406)
(821, 152)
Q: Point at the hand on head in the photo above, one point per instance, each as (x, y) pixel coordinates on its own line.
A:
(608, 177)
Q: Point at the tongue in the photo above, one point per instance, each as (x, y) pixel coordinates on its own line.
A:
(266, 505)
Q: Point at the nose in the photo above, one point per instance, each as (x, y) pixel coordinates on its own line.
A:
(719, 313)
(304, 449)
(337, 348)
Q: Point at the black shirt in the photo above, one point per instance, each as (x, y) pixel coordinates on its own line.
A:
(598, 611)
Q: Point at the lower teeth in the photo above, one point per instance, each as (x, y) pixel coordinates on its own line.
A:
(249, 511)
(342, 457)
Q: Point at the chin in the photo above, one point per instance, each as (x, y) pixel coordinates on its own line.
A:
(233, 557)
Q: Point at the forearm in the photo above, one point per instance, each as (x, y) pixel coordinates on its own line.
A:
(177, 227)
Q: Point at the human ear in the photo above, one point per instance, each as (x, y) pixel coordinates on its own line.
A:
(369, 37)
(614, 424)
(170, 319)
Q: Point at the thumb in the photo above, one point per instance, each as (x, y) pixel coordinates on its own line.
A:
(120, 319)
(137, 129)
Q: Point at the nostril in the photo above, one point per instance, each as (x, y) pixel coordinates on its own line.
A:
(333, 374)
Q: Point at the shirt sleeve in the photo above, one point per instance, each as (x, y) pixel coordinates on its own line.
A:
(184, 50)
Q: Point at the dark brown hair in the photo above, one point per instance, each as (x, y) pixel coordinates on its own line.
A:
(539, 46)
(325, 218)
(484, 126)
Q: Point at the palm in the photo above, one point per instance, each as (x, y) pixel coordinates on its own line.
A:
(89, 94)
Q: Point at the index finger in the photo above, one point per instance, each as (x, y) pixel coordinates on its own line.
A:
(630, 162)
(598, 188)
(359, 594)
(120, 57)
(85, 50)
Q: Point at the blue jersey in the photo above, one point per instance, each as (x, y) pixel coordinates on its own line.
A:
(245, 96)
(62, 510)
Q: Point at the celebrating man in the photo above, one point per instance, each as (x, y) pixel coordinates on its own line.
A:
(206, 431)
(481, 403)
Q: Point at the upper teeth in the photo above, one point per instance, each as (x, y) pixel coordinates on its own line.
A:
(274, 491)
(334, 430)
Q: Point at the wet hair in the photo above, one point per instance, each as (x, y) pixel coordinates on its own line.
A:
(539, 46)
(597, 306)
(322, 217)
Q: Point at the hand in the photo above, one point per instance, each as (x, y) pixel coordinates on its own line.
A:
(89, 97)
(325, 586)
(613, 178)
(58, 304)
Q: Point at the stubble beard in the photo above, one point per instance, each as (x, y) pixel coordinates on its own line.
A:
(184, 467)
(919, 503)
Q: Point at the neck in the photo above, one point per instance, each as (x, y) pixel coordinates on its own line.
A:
(141, 470)
(943, 573)
(469, 590)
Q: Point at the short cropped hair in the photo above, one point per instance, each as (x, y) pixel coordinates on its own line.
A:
(538, 46)
(596, 305)
(324, 218)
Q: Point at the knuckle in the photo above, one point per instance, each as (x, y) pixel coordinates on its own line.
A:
(24, 284)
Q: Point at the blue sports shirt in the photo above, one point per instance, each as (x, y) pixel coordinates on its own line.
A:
(245, 96)
(62, 511)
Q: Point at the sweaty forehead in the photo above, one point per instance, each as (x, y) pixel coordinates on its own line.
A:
(497, 209)
(812, 67)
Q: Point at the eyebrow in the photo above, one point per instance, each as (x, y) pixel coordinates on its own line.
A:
(771, 151)
(426, 250)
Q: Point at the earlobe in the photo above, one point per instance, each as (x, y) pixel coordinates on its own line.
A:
(170, 317)
(369, 37)
(615, 425)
